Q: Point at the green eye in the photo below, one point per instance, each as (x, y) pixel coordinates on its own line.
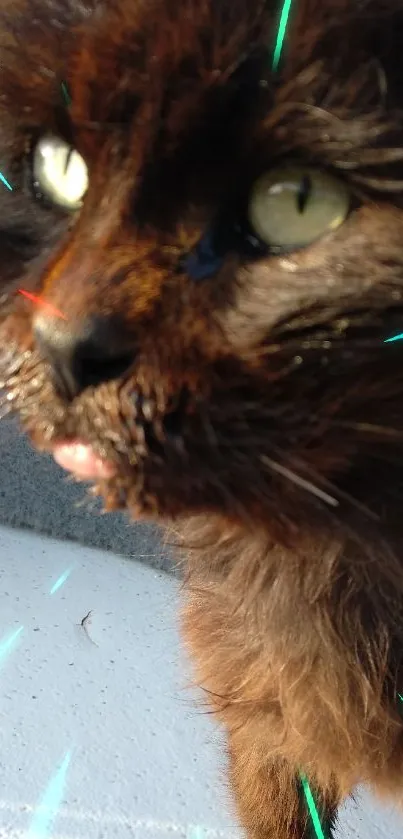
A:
(291, 207)
(59, 172)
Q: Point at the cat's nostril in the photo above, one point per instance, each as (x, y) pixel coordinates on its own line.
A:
(85, 354)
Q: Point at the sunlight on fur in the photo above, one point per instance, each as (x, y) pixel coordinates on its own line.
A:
(200, 313)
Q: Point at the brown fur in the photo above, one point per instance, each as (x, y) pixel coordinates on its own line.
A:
(270, 372)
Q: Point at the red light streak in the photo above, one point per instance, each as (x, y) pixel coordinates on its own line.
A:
(40, 302)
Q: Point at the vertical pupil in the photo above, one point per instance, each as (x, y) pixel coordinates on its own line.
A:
(304, 192)
(68, 158)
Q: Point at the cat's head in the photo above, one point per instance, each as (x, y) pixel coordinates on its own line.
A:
(201, 234)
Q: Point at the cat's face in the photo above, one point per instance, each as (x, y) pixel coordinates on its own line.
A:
(202, 256)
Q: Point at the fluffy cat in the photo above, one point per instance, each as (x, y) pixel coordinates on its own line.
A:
(201, 266)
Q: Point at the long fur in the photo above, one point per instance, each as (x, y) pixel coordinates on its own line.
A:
(262, 416)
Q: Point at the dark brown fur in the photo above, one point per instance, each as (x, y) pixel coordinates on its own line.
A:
(294, 605)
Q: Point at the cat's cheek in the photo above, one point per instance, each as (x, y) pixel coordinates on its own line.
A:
(266, 293)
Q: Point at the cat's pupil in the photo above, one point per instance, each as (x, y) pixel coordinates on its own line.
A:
(304, 193)
(68, 158)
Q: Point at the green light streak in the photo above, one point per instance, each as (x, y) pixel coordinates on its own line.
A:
(46, 811)
(61, 580)
(313, 811)
(5, 182)
(285, 13)
(8, 642)
(395, 338)
(66, 94)
(312, 808)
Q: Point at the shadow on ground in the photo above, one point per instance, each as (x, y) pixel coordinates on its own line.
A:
(35, 494)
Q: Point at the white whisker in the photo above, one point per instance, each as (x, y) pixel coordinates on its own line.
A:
(296, 479)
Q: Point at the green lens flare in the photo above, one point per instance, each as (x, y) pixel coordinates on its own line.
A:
(8, 643)
(5, 182)
(66, 94)
(46, 812)
(61, 580)
(312, 808)
(285, 14)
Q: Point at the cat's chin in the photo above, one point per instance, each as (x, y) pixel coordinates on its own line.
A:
(84, 464)
(121, 486)
(80, 459)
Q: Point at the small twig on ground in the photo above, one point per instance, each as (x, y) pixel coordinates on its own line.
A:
(84, 623)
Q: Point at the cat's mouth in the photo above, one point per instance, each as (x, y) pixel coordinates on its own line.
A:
(131, 439)
(135, 465)
(154, 436)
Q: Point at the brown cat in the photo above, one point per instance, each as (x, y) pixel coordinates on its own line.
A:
(202, 263)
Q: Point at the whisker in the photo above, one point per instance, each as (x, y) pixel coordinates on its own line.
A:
(302, 482)
(345, 496)
(379, 430)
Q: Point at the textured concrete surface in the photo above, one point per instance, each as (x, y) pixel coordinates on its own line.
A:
(108, 703)
(35, 493)
(99, 736)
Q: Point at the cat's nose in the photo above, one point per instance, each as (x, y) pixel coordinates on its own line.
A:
(83, 354)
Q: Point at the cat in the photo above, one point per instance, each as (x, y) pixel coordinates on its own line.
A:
(201, 227)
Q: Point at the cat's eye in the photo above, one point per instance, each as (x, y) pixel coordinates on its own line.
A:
(291, 207)
(59, 172)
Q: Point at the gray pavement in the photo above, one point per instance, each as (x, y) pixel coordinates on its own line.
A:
(36, 494)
